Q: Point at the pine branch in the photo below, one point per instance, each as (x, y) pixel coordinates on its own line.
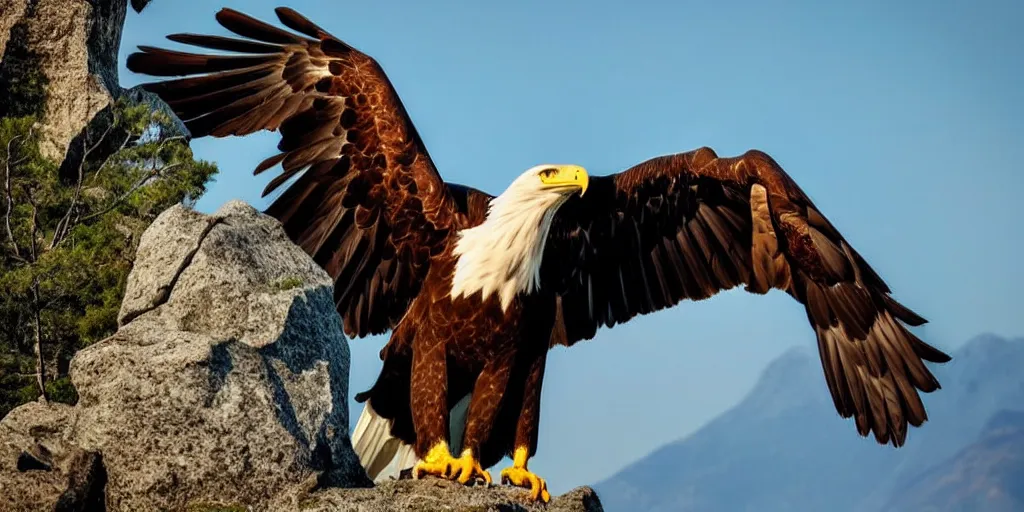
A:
(65, 224)
(138, 184)
(10, 198)
(124, 144)
(35, 228)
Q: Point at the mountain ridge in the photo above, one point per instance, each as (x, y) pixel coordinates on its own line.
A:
(986, 475)
(785, 445)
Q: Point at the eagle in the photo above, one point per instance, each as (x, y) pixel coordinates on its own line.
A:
(476, 288)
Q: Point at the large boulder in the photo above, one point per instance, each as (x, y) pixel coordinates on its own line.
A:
(228, 379)
(226, 382)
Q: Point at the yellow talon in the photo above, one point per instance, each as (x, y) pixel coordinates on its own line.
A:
(440, 463)
(468, 468)
(518, 475)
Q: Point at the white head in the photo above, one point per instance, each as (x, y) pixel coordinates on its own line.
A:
(503, 254)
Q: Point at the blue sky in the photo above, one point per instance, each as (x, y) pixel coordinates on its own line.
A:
(904, 123)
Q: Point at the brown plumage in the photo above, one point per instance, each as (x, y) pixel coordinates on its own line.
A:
(368, 204)
(357, 207)
(690, 225)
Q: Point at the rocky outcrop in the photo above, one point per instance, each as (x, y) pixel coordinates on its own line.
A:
(435, 495)
(227, 381)
(229, 373)
(56, 35)
(72, 45)
(11, 11)
(40, 469)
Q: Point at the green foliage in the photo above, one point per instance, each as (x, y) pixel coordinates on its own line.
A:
(15, 387)
(69, 247)
(59, 390)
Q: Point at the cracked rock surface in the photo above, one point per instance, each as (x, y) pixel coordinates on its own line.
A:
(226, 383)
(230, 381)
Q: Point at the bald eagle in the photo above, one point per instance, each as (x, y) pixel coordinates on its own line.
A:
(476, 288)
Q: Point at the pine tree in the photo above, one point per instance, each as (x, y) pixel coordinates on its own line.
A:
(67, 241)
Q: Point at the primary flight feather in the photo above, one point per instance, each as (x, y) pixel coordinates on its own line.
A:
(476, 288)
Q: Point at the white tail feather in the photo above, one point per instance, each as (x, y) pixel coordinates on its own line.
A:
(373, 442)
(384, 456)
(405, 459)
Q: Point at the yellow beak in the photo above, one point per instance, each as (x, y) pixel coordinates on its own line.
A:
(570, 176)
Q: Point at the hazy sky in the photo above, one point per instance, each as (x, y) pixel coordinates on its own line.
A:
(904, 121)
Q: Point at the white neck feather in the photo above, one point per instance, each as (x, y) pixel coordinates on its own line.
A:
(503, 254)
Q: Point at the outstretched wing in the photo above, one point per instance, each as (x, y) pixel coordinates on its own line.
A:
(689, 225)
(369, 207)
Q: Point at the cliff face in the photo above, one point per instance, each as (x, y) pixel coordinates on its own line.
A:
(58, 59)
(11, 11)
(73, 45)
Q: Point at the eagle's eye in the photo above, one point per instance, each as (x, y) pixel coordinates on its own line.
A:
(549, 172)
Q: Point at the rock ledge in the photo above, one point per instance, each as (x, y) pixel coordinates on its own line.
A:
(436, 495)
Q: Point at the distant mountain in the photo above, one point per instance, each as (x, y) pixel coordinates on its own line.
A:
(988, 475)
(784, 447)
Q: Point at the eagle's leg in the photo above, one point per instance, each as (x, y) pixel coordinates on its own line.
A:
(428, 399)
(467, 468)
(483, 409)
(526, 435)
(519, 475)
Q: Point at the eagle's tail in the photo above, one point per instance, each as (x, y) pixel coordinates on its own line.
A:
(378, 450)
(373, 442)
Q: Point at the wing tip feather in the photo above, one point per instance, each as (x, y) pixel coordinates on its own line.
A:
(883, 373)
(296, 21)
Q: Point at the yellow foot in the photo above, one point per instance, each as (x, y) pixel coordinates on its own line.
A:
(522, 477)
(468, 468)
(440, 463)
